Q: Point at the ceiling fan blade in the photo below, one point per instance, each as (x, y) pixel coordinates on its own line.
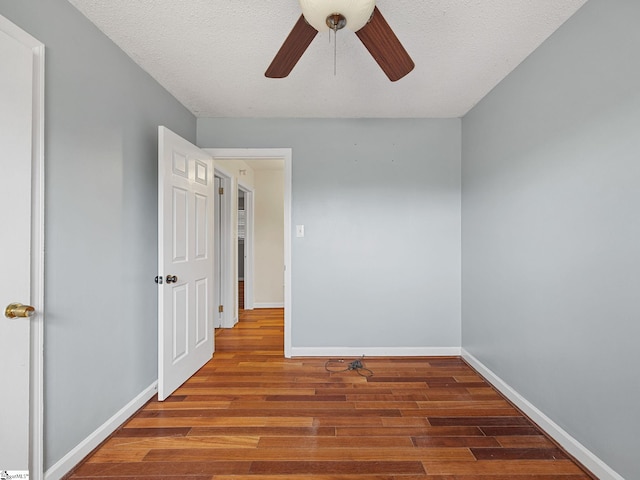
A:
(385, 48)
(292, 49)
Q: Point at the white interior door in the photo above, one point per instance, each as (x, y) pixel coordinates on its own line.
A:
(225, 290)
(186, 202)
(217, 257)
(16, 97)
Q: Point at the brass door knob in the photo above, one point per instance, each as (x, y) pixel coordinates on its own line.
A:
(16, 310)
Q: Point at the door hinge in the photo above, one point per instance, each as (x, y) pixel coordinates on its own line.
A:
(220, 308)
(220, 190)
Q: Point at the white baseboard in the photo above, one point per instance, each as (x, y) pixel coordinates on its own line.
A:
(375, 351)
(268, 305)
(84, 448)
(570, 444)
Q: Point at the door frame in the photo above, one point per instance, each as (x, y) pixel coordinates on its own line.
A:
(271, 154)
(36, 393)
(249, 267)
(228, 318)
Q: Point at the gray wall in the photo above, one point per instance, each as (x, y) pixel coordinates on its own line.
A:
(102, 114)
(551, 231)
(379, 265)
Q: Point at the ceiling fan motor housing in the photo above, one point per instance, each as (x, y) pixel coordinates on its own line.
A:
(321, 14)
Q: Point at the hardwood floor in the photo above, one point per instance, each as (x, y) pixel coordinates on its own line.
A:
(252, 414)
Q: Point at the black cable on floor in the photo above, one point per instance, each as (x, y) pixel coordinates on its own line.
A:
(331, 366)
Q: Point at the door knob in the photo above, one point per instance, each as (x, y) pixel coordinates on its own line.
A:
(172, 279)
(16, 310)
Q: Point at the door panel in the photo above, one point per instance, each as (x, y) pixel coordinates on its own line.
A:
(202, 309)
(185, 260)
(180, 234)
(201, 226)
(180, 316)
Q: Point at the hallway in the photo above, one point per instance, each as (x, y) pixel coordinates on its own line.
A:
(251, 414)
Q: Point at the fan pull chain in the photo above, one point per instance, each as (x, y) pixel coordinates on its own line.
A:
(335, 51)
(335, 21)
(335, 48)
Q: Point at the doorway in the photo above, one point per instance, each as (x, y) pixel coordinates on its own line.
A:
(245, 247)
(242, 229)
(267, 155)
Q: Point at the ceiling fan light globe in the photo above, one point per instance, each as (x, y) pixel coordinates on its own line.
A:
(356, 12)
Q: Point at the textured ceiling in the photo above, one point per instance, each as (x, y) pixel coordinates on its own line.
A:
(212, 54)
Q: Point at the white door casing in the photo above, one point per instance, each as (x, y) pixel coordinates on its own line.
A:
(217, 292)
(186, 200)
(226, 291)
(21, 248)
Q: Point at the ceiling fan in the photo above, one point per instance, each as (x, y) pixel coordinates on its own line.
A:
(360, 16)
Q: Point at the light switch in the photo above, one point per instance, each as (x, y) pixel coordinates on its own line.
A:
(299, 231)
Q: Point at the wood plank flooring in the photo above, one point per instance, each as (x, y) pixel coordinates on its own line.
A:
(251, 414)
